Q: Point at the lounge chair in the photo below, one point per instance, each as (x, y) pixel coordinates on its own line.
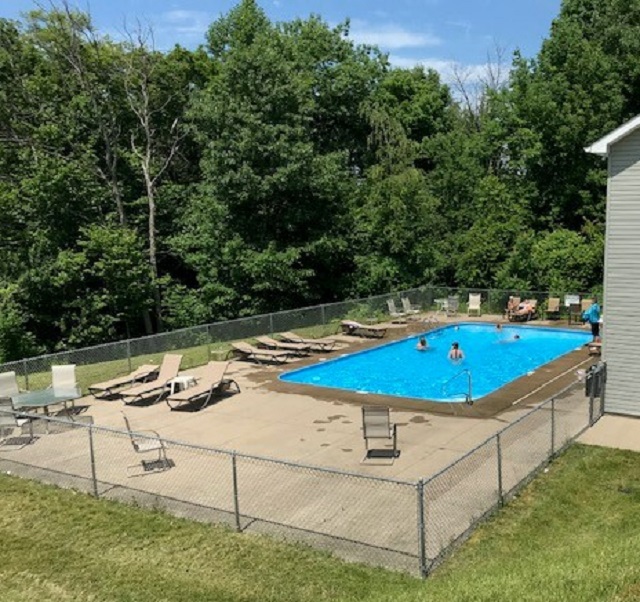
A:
(527, 310)
(144, 442)
(314, 344)
(553, 308)
(360, 330)
(8, 384)
(475, 301)
(212, 383)
(293, 348)
(168, 370)
(512, 305)
(575, 313)
(261, 356)
(376, 424)
(585, 304)
(64, 384)
(393, 311)
(108, 388)
(408, 307)
(452, 306)
(10, 421)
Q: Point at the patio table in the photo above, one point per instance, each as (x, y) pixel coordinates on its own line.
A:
(43, 399)
(441, 305)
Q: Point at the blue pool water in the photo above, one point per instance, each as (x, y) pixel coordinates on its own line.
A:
(493, 357)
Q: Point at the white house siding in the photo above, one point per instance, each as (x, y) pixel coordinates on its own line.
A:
(621, 333)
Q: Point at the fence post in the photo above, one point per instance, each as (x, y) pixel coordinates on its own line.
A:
(500, 490)
(553, 426)
(270, 323)
(129, 354)
(324, 319)
(93, 463)
(603, 389)
(422, 548)
(236, 501)
(26, 373)
(591, 397)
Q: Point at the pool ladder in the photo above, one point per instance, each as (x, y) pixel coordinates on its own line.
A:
(469, 394)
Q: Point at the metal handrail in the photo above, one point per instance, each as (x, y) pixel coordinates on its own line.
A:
(469, 394)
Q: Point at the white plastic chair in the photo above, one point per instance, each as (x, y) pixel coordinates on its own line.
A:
(475, 300)
(8, 384)
(408, 308)
(63, 381)
(393, 311)
(10, 420)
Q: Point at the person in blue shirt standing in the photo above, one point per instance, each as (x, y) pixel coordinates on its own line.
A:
(592, 315)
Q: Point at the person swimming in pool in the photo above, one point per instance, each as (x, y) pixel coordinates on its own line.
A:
(455, 353)
(422, 344)
(513, 339)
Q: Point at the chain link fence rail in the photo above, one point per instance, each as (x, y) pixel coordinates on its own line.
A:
(463, 494)
(403, 525)
(199, 344)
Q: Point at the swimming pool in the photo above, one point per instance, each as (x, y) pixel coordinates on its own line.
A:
(493, 357)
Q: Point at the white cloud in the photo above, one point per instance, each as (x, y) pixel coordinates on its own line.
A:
(472, 74)
(390, 37)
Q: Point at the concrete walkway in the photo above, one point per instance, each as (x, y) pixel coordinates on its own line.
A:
(620, 432)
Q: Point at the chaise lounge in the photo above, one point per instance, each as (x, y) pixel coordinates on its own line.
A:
(512, 305)
(527, 310)
(261, 356)
(211, 384)
(360, 330)
(553, 308)
(155, 388)
(293, 348)
(314, 344)
(109, 388)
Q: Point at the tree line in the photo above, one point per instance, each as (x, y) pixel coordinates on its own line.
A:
(282, 165)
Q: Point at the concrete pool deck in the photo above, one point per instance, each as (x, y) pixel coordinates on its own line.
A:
(619, 432)
(340, 509)
(322, 427)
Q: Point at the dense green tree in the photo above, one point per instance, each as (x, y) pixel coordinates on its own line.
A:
(280, 159)
(282, 165)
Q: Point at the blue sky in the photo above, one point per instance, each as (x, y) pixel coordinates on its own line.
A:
(435, 33)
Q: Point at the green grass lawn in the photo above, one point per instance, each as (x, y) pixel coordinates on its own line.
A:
(573, 534)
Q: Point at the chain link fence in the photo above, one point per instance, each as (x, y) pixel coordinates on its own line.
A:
(199, 344)
(403, 525)
(462, 495)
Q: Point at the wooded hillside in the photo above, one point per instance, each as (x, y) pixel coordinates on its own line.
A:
(282, 165)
